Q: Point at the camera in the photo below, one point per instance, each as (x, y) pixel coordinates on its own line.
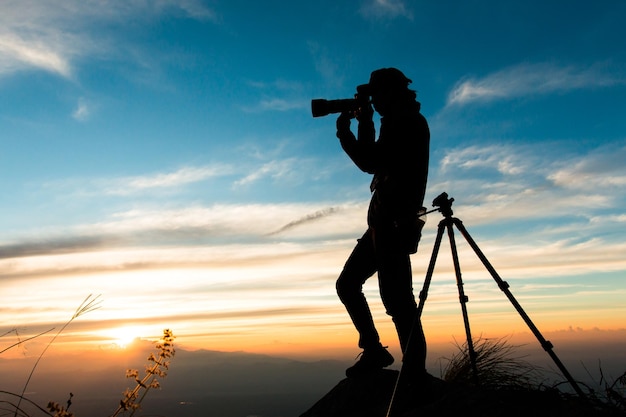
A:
(322, 107)
(444, 204)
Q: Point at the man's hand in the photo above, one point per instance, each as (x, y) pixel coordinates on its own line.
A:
(365, 113)
(343, 122)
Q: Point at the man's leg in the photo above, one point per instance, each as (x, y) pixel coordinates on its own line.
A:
(396, 289)
(359, 267)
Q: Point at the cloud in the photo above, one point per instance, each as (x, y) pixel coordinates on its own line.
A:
(199, 237)
(278, 104)
(256, 165)
(82, 111)
(306, 219)
(51, 36)
(50, 246)
(602, 169)
(516, 182)
(503, 159)
(529, 80)
(289, 170)
(385, 9)
(193, 8)
(108, 196)
(531, 184)
(38, 36)
(275, 169)
(291, 89)
(127, 186)
(182, 176)
(236, 264)
(17, 53)
(326, 65)
(278, 84)
(236, 222)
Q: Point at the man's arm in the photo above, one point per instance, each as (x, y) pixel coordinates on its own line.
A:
(361, 150)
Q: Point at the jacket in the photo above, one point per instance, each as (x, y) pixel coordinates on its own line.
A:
(399, 162)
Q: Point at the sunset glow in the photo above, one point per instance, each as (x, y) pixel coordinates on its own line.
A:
(123, 336)
(162, 156)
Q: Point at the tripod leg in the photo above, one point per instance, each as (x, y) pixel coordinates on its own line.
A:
(504, 286)
(431, 267)
(463, 300)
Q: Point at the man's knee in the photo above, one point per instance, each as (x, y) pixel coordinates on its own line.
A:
(346, 289)
(402, 311)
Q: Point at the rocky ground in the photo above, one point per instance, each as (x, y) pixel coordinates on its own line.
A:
(370, 397)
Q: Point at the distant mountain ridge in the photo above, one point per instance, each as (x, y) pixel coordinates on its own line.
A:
(230, 384)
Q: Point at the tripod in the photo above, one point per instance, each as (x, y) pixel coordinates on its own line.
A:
(445, 207)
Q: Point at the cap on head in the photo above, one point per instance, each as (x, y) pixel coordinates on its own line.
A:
(385, 79)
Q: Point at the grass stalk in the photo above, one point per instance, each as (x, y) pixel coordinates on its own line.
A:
(89, 304)
(19, 342)
(132, 400)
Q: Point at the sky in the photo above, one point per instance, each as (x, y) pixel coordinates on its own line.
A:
(161, 156)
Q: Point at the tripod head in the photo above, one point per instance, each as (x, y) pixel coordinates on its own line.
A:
(443, 204)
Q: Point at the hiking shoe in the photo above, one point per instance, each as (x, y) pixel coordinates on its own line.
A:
(371, 360)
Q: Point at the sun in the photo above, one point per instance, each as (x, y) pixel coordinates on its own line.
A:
(124, 336)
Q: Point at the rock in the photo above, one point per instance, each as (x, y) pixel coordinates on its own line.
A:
(366, 397)
(370, 397)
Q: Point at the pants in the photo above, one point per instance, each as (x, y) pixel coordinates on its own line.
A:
(396, 291)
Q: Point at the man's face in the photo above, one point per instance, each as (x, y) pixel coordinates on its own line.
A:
(381, 100)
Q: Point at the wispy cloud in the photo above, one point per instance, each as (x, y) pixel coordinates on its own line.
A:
(529, 184)
(279, 104)
(51, 36)
(581, 195)
(503, 159)
(196, 235)
(278, 84)
(130, 185)
(276, 163)
(41, 36)
(195, 9)
(602, 169)
(182, 176)
(82, 110)
(17, 53)
(306, 219)
(326, 65)
(528, 80)
(385, 9)
(279, 95)
(275, 169)
(51, 245)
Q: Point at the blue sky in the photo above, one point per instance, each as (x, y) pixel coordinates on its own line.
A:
(163, 154)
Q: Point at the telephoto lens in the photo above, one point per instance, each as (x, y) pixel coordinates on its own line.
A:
(322, 107)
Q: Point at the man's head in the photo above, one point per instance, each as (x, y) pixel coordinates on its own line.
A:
(388, 87)
(386, 79)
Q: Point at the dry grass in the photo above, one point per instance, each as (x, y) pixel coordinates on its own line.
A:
(12, 403)
(160, 363)
(501, 368)
(497, 363)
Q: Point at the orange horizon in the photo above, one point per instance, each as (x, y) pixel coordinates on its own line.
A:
(321, 342)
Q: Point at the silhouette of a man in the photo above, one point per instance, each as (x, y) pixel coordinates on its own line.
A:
(399, 162)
